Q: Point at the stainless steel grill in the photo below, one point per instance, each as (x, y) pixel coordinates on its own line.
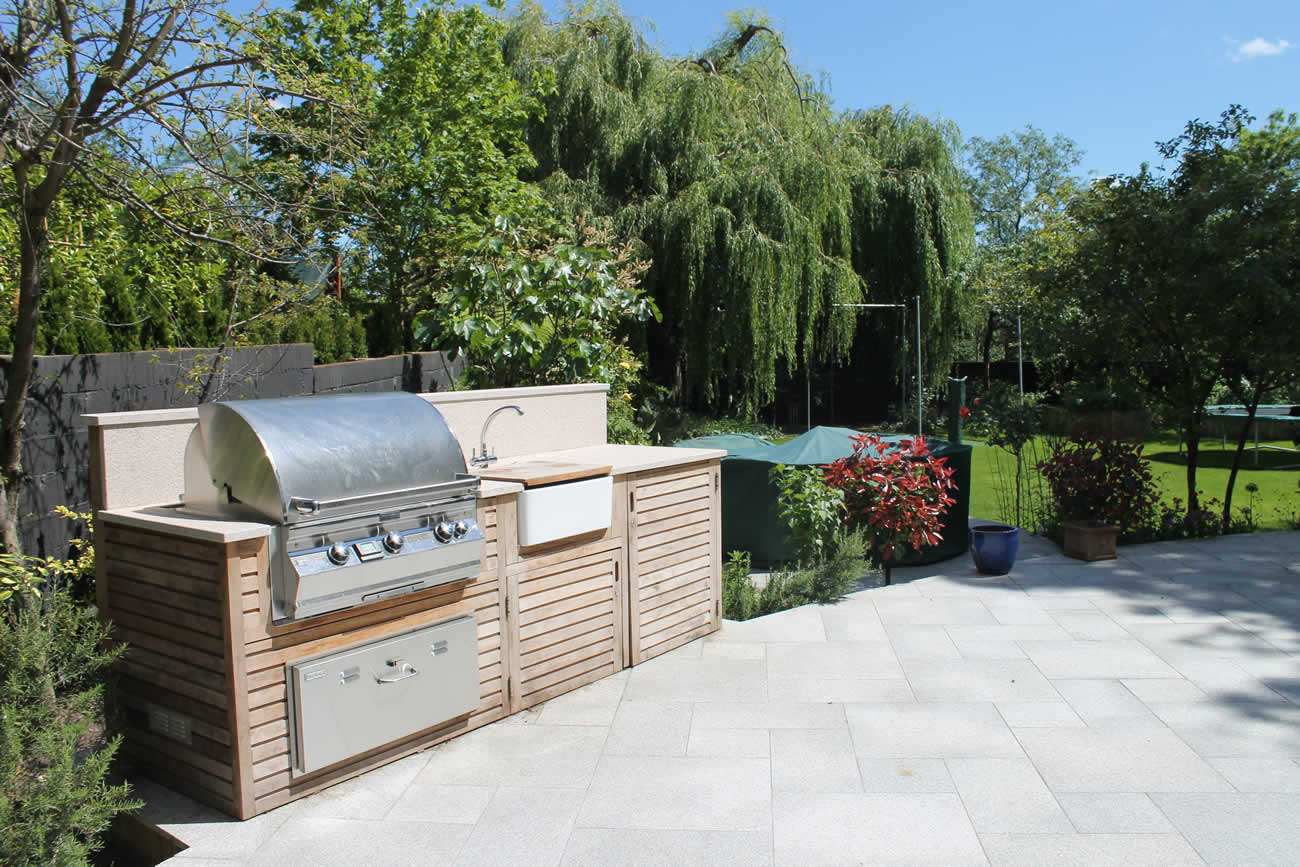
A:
(368, 494)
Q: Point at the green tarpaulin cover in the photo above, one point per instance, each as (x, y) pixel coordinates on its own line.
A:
(750, 519)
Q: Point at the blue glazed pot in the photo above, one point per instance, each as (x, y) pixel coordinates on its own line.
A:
(993, 547)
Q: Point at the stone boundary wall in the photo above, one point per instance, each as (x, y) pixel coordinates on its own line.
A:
(56, 446)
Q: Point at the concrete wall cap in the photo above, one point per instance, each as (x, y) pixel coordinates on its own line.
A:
(138, 418)
(489, 394)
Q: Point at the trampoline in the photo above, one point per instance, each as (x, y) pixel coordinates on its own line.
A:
(750, 517)
(1272, 412)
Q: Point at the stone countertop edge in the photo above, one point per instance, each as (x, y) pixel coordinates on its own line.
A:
(625, 459)
(163, 518)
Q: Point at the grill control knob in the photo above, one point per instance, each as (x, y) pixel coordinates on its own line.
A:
(394, 542)
(443, 531)
(338, 553)
(462, 527)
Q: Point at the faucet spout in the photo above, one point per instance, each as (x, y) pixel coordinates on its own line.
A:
(482, 457)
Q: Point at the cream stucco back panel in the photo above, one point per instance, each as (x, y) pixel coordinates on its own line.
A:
(139, 457)
(555, 418)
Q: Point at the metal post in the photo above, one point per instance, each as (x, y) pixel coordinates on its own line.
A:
(956, 400)
(1020, 362)
(919, 390)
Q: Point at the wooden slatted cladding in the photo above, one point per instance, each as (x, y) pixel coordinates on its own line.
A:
(204, 679)
(674, 553)
(167, 602)
(565, 621)
(270, 648)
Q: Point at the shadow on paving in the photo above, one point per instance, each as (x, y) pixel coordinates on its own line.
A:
(1235, 599)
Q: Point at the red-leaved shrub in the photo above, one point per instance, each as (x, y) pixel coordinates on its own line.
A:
(896, 493)
(1101, 478)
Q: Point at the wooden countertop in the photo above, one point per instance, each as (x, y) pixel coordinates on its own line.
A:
(532, 474)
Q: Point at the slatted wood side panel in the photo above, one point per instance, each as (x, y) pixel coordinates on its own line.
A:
(272, 647)
(166, 598)
(674, 562)
(563, 614)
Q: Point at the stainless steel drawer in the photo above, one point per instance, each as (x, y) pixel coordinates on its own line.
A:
(365, 696)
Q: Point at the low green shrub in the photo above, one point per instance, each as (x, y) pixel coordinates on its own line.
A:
(55, 798)
(822, 582)
(632, 406)
(812, 510)
(739, 596)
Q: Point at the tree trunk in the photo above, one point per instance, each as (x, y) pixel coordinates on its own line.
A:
(1193, 433)
(1251, 408)
(986, 348)
(33, 239)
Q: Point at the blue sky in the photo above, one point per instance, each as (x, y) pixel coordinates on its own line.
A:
(1114, 76)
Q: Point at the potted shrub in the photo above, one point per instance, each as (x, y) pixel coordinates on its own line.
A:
(1101, 487)
(896, 493)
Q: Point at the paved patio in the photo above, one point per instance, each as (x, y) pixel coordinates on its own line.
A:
(1140, 711)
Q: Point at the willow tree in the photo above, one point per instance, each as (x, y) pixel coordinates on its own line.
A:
(912, 223)
(749, 193)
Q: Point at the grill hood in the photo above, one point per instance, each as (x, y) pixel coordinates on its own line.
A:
(293, 458)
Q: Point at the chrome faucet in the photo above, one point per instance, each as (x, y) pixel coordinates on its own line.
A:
(481, 457)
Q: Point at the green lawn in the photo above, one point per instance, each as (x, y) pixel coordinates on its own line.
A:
(1276, 502)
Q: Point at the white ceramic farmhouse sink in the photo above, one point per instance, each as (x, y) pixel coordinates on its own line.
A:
(559, 500)
(566, 509)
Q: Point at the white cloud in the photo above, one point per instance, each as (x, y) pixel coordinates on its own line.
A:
(1257, 47)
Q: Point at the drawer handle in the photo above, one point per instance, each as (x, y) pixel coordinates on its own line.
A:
(407, 670)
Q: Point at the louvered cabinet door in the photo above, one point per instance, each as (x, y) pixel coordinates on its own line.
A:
(563, 618)
(674, 582)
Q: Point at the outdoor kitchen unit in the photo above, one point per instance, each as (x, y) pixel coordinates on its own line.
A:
(368, 493)
(335, 593)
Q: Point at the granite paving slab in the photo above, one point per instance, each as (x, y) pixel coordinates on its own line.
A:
(1144, 711)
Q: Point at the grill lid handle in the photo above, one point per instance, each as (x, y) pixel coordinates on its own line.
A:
(464, 483)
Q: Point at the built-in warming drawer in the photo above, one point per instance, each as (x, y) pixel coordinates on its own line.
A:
(365, 696)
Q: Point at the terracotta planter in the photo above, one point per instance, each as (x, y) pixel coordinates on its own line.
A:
(1090, 540)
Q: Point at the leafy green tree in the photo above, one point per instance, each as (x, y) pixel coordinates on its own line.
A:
(1257, 182)
(144, 103)
(1016, 182)
(432, 155)
(761, 211)
(531, 309)
(912, 229)
(119, 282)
(1180, 277)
